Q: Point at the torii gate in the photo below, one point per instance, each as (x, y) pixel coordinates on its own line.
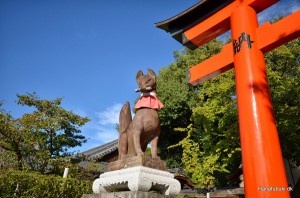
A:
(263, 167)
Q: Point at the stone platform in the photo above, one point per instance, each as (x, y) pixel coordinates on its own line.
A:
(137, 161)
(138, 178)
(128, 194)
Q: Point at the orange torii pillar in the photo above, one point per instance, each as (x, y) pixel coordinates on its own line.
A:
(263, 167)
(262, 158)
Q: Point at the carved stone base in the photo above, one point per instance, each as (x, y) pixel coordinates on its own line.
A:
(137, 161)
(137, 178)
(128, 194)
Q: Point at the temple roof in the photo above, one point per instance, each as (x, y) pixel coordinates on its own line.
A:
(101, 151)
(178, 24)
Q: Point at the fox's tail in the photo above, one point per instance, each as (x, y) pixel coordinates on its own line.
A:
(124, 121)
(125, 118)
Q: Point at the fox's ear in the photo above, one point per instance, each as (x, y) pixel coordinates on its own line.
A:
(151, 73)
(138, 75)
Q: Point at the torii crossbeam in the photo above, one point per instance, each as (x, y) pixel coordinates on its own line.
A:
(263, 167)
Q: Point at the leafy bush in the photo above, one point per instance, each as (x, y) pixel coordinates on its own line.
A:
(23, 184)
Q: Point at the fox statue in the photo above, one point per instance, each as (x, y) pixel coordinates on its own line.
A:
(136, 133)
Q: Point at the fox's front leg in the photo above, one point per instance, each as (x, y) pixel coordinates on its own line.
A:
(137, 143)
(154, 143)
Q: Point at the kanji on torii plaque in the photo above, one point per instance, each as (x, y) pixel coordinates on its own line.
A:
(263, 168)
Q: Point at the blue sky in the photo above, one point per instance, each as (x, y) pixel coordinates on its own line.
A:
(87, 52)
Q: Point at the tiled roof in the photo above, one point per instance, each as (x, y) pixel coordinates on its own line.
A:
(101, 151)
(181, 22)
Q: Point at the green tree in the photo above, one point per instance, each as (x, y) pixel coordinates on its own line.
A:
(283, 75)
(179, 98)
(58, 126)
(45, 134)
(211, 146)
(13, 139)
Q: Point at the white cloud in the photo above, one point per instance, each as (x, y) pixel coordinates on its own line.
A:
(102, 129)
(99, 134)
(110, 115)
(107, 134)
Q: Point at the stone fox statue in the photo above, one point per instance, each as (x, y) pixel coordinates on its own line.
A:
(145, 127)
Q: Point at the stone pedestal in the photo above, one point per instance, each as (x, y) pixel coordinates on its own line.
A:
(138, 178)
(128, 194)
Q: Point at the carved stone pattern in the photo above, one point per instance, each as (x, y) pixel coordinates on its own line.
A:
(137, 179)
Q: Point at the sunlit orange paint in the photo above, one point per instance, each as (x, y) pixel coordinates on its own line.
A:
(262, 158)
(210, 28)
(212, 66)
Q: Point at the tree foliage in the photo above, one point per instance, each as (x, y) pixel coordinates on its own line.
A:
(38, 137)
(201, 122)
(283, 74)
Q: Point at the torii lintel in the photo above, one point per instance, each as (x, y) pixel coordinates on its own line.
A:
(282, 32)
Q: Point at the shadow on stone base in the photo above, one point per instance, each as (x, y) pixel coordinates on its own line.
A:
(128, 194)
